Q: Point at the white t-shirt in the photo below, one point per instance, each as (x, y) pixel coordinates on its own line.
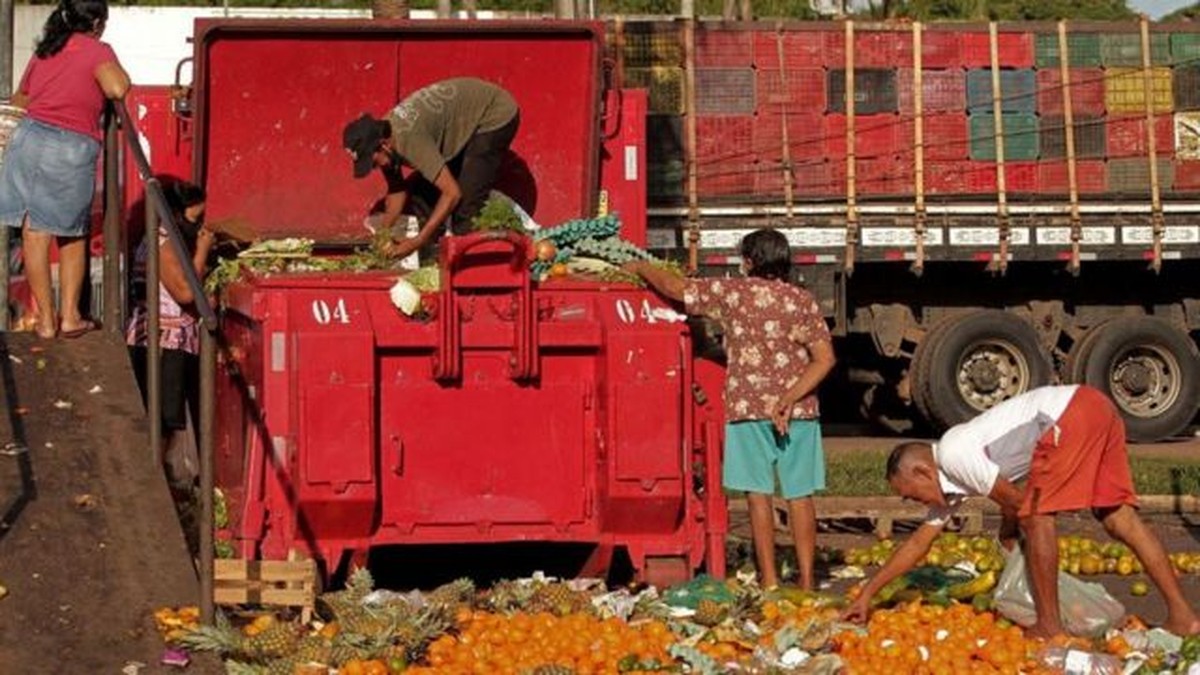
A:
(999, 442)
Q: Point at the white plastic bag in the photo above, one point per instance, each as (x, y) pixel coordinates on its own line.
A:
(1086, 608)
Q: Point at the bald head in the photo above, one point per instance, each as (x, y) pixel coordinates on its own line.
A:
(906, 455)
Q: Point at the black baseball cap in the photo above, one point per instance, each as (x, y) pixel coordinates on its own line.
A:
(361, 139)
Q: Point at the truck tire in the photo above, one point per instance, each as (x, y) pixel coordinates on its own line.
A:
(973, 361)
(921, 367)
(1076, 362)
(1151, 371)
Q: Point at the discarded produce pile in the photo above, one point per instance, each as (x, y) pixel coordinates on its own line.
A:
(542, 626)
(589, 248)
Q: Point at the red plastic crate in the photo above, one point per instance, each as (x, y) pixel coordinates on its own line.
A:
(724, 139)
(872, 49)
(874, 135)
(805, 137)
(1015, 50)
(941, 90)
(944, 178)
(941, 49)
(810, 179)
(1091, 177)
(1021, 176)
(978, 177)
(1187, 175)
(872, 177)
(801, 49)
(804, 90)
(883, 176)
(1127, 136)
(724, 48)
(1087, 91)
(726, 179)
(947, 136)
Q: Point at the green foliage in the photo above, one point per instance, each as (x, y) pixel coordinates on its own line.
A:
(1190, 13)
(497, 214)
(1001, 10)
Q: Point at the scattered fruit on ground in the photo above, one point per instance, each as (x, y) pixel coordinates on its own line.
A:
(931, 640)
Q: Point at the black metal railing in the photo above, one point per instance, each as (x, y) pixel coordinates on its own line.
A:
(160, 217)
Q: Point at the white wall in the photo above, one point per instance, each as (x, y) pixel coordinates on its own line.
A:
(151, 41)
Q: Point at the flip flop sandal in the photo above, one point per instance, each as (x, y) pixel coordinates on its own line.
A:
(86, 327)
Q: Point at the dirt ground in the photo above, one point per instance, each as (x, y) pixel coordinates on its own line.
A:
(89, 541)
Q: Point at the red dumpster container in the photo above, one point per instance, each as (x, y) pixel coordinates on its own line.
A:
(561, 412)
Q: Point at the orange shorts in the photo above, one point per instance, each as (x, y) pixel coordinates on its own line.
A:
(1081, 463)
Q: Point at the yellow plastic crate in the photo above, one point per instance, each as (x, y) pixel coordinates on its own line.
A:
(1125, 92)
(665, 85)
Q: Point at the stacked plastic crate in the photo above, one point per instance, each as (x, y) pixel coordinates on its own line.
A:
(757, 85)
(650, 56)
(791, 100)
(725, 99)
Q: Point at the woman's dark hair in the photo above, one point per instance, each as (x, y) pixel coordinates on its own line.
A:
(68, 18)
(182, 195)
(768, 253)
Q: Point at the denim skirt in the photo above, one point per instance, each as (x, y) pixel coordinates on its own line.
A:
(50, 174)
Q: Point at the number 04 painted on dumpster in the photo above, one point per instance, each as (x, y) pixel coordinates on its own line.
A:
(627, 313)
(325, 315)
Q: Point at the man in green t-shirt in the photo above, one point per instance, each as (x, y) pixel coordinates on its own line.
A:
(453, 136)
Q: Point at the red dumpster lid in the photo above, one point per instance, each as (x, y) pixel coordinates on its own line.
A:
(273, 97)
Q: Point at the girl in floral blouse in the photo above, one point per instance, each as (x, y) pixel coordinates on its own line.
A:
(778, 350)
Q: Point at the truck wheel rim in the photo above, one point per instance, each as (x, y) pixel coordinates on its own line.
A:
(991, 371)
(1145, 381)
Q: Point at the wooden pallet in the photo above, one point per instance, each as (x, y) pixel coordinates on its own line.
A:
(883, 512)
(279, 583)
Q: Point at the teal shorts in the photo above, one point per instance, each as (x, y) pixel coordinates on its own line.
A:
(755, 455)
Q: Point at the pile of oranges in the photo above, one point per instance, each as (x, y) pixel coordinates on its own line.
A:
(497, 644)
(932, 640)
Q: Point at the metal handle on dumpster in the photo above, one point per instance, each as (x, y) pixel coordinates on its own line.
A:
(448, 362)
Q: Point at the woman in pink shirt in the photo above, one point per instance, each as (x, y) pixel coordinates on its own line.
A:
(47, 179)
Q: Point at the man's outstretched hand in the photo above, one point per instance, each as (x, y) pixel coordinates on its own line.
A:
(402, 248)
(858, 611)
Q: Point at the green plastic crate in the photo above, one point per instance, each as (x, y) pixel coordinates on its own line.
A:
(1021, 139)
(1185, 48)
(1083, 49)
(1125, 49)
(666, 179)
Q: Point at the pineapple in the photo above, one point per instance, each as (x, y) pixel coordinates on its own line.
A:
(709, 613)
(343, 652)
(222, 638)
(283, 666)
(747, 606)
(416, 634)
(344, 601)
(366, 621)
(314, 649)
(454, 594)
(508, 596)
(273, 642)
(560, 599)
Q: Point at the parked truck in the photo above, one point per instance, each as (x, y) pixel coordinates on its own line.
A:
(982, 208)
